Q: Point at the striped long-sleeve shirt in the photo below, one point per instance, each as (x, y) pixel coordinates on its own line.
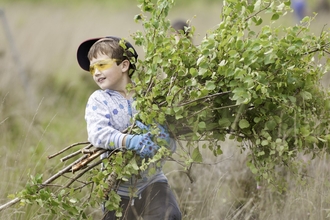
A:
(107, 114)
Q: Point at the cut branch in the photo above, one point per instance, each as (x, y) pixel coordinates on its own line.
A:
(79, 164)
(83, 163)
(83, 172)
(75, 153)
(67, 148)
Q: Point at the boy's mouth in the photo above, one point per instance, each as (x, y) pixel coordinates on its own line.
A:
(101, 79)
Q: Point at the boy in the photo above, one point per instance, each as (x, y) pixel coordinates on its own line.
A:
(108, 112)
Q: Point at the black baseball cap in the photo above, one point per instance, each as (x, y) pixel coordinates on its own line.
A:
(84, 47)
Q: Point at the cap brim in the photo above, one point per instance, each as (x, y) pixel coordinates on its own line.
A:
(82, 53)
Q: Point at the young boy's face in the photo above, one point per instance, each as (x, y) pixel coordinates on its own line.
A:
(106, 73)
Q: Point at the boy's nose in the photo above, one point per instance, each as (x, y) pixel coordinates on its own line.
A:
(97, 72)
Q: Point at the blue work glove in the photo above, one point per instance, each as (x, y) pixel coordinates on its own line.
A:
(142, 144)
(163, 133)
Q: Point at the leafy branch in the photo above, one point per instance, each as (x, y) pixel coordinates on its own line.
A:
(78, 164)
(262, 88)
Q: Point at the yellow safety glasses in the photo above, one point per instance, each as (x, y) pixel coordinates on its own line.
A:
(102, 65)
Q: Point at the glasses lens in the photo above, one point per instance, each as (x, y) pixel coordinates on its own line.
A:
(101, 65)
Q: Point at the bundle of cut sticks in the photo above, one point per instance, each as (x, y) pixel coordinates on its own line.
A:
(79, 166)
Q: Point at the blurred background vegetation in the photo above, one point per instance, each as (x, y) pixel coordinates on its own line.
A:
(43, 94)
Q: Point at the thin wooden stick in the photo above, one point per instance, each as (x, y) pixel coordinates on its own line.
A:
(67, 148)
(10, 203)
(87, 169)
(66, 169)
(87, 160)
(87, 151)
(83, 172)
(75, 153)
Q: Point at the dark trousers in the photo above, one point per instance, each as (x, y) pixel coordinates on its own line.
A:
(157, 202)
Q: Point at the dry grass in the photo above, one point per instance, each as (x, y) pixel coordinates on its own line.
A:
(44, 113)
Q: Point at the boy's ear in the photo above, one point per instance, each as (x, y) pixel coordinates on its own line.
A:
(125, 65)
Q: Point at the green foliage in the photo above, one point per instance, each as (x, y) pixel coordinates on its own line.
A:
(260, 88)
(63, 203)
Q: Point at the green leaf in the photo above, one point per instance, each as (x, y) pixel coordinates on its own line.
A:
(311, 140)
(271, 124)
(134, 164)
(256, 119)
(224, 122)
(155, 107)
(281, 6)
(223, 63)
(258, 20)
(264, 142)
(305, 131)
(210, 85)
(275, 17)
(306, 95)
(252, 167)
(197, 156)
(243, 124)
(193, 72)
(73, 200)
(257, 5)
(202, 124)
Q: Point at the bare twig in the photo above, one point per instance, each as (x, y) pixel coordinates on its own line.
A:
(255, 14)
(74, 153)
(83, 172)
(83, 163)
(67, 148)
(10, 203)
(66, 169)
(3, 120)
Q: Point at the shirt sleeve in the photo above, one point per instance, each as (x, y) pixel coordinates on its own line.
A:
(100, 132)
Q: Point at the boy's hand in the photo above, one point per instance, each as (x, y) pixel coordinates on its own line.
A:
(142, 145)
(163, 133)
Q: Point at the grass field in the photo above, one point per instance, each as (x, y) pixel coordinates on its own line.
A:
(43, 95)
